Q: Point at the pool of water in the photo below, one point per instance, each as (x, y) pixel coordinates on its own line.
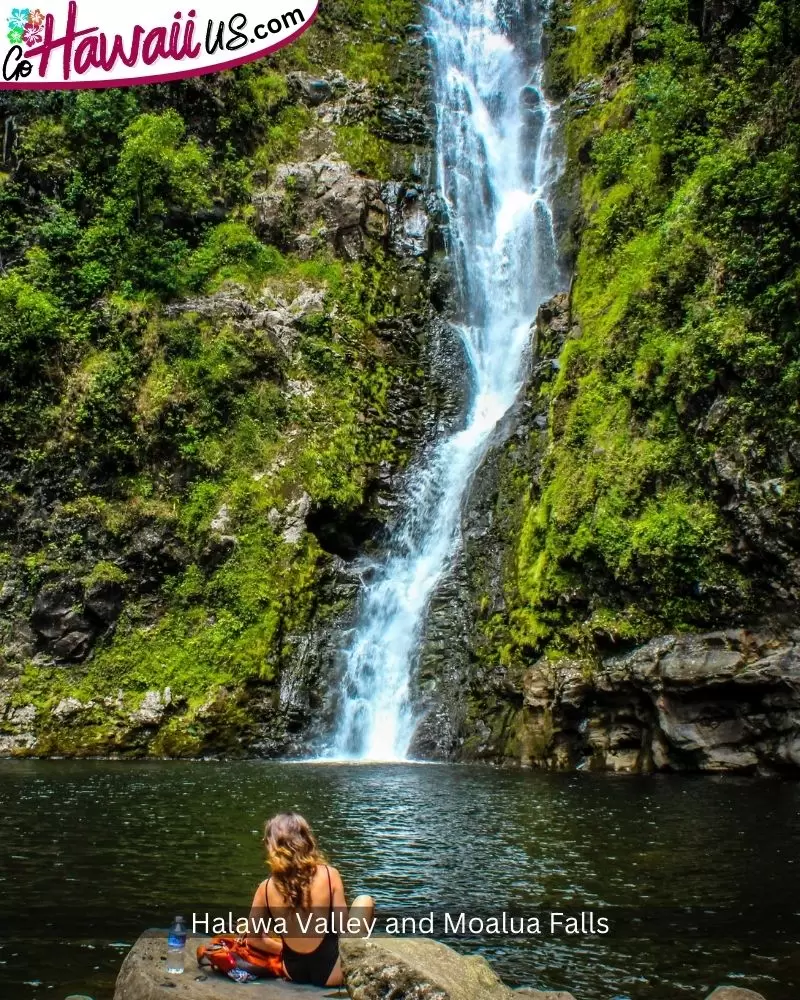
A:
(699, 877)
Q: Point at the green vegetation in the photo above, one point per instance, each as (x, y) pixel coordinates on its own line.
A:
(166, 403)
(684, 142)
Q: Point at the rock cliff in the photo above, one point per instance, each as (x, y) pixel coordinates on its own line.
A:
(224, 295)
(627, 592)
(222, 338)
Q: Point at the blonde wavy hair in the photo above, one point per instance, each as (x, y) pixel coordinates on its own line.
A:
(292, 855)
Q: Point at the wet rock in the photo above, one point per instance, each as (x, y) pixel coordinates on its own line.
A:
(58, 618)
(103, 600)
(409, 219)
(346, 533)
(468, 704)
(421, 968)
(143, 977)
(401, 122)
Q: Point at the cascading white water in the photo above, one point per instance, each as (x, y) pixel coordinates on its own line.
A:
(496, 163)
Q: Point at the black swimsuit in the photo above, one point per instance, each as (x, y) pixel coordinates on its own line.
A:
(313, 967)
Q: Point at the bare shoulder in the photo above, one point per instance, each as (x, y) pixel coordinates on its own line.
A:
(335, 876)
(259, 899)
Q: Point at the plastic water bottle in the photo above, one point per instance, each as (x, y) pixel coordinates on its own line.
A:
(176, 946)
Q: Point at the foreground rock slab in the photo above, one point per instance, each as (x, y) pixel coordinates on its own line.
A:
(382, 968)
(422, 969)
(142, 977)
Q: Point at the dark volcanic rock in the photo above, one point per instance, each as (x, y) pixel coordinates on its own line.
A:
(103, 600)
(154, 552)
(53, 614)
(402, 123)
(723, 701)
(58, 618)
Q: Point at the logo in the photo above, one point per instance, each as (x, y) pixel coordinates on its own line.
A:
(92, 44)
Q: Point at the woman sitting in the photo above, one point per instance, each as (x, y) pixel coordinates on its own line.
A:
(303, 887)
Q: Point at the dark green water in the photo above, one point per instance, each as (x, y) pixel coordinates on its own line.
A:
(701, 877)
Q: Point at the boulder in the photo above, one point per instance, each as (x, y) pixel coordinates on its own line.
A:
(374, 969)
(143, 977)
(325, 201)
(153, 708)
(733, 993)
(418, 968)
(103, 600)
(57, 617)
(324, 196)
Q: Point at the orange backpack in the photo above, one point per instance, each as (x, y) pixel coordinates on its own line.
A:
(225, 953)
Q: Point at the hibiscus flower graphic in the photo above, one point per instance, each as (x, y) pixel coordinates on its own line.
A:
(19, 18)
(32, 34)
(35, 18)
(16, 24)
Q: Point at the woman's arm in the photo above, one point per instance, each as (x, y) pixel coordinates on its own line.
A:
(259, 914)
(339, 900)
(363, 908)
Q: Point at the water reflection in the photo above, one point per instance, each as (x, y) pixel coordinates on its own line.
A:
(94, 851)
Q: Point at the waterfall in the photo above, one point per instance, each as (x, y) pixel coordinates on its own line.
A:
(495, 166)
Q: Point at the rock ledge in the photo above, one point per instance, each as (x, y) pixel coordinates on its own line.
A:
(382, 968)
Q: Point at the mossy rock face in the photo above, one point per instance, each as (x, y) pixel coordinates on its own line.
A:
(648, 486)
(233, 399)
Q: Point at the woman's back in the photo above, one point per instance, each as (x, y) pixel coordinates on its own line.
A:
(307, 926)
(304, 897)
